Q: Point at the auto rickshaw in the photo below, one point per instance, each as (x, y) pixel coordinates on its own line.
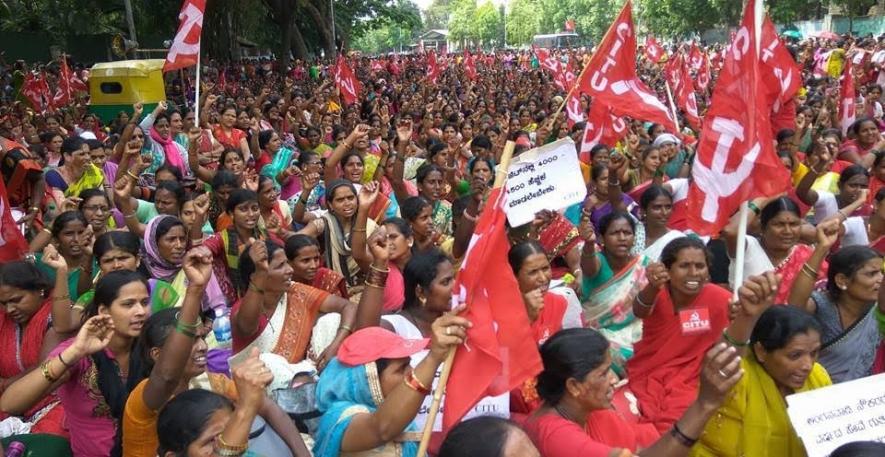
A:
(116, 86)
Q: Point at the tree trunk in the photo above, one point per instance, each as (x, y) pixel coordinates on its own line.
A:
(299, 47)
(285, 45)
(323, 27)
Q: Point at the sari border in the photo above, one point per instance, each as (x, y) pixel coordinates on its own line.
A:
(374, 383)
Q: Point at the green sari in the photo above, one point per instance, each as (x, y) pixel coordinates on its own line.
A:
(442, 217)
(609, 307)
(162, 294)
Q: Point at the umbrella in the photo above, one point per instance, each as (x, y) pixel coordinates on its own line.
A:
(792, 34)
(827, 35)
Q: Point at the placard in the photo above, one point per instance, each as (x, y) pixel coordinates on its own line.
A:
(844, 413)
(548, 177)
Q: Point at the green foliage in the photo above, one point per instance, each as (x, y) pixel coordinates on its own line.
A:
(390, 31)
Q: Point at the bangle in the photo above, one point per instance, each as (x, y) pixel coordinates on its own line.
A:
(415, 384)
(469, 216)
(614, 183)
(842, 213)
(682, 438)
(34, 209)
(47, 231)
(197, 242)
(373, 267)
(754, 208)
(255, 288)
(346, 328)
(356, 230)
(47, 373)
(61, 298)
(810, 272)
(642, 303)
(131, 175)
(728, 339)
(129, 216)
(66, 364)
(227, 450)
(184, 330)
(368, 284)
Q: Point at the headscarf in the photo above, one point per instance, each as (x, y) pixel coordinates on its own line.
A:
(170, 150)
(341, 392)
(665, 138)
(158, 267)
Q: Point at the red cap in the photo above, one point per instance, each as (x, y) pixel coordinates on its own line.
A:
(373, 343)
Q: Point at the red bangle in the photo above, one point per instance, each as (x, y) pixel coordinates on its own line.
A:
(416, 384)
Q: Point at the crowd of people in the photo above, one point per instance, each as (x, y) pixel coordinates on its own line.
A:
(274, 276)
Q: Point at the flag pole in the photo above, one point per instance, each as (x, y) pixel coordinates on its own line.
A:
(500, 177)
(672, 106)
(197, 92)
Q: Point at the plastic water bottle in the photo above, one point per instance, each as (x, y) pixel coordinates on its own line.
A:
(15, 449)
(221, 328)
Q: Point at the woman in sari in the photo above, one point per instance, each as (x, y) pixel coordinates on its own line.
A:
(780, 359)
(370, 374)
(866, 138)
(276, 216)
(162, 145)
(97, 209)
(853, 182)
(418, 212)
(612, 279)
(28, 333)
(846, 309)
(71, 239)
(604, 196)
(279, 162)
(576, 387)
(778, 248)
(636, 181)
(309, 197)
(548, 312)
(353, 169)
(431, 185)
(652, 234)
(305, 259)
(277, 314)
(337, 228)
(76, 175)
(225, 131)
(663, 373)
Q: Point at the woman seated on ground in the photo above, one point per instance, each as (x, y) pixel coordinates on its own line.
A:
(683, 314)
(304, 257)
(369, 395)
(780, 360)
(487, 436)
(277, 314)
(27, 334)
(653, 233)
(846, 309)
(612, 279)
(174, 341)
(94, 371)
(853, 182)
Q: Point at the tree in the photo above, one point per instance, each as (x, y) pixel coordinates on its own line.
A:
(487, 23)
(461, 27)
(523, 21)
(436, 16)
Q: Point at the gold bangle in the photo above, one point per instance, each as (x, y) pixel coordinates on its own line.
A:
(362, 230)
(346, 328)
(230, 447)
(372, 266)
(374, 285)
(131, 175)
(47, 373)
(60, 299)
(48, 232)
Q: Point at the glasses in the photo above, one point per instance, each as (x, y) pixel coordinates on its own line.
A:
(97, 208)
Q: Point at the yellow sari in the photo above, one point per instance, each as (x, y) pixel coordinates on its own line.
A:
(753, 420)
(92, 179)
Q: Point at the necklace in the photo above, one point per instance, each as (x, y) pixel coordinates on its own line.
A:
(564, 414)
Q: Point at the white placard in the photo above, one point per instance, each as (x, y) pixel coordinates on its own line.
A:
(548, 177)
(843, 413)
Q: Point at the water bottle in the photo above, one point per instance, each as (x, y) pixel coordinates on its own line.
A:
(221, 328)
(15, 449)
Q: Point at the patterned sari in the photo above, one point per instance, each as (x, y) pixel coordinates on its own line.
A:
(442, 217)
(330, 281)
(609, 308)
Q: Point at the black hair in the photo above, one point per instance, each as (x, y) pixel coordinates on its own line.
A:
(855, 127)
(112, 388)
(421, 270)
(651, 128)
(88, 194)
(173, 187)
(850, 172)
(224, 178)
(247, 266)
(785, 134)
(64, 218)
(116, 239)
(483, 436)
(847, 261)
(264, 137)
(613, 216)
(412, 207)
(521, 251)
(401, 225)
(167, 224)
(672, 249)
(775, 207)
(471, 165)
(155, 331)
(228, 151)
(94, 144)
(481, 141)
(72, 144)
(350, 154)
(184, 417)
(779, 324)
(597, 148)
(304, 155)
(570, 353)
(24, 275)
(297, 242)
(860, 449)
(596, 170)
(175, 171)
(832, 132)
(425, 169)
(238, 197)
(654, 191)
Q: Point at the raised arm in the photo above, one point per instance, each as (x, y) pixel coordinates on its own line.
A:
(193, 155)
(331, 170)
(299, 212)
(166, 375)
(65, 318)
(403, 136)
(246, 321)
(803, 285)
(367, 196)
(658, 277)
(126, 136)
(252, 378)
(371, 302)
(589, 262)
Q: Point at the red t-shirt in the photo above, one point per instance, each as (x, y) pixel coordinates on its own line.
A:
(558, 437)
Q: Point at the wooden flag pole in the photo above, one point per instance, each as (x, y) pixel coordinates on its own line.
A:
(500, 177)
(672, 106)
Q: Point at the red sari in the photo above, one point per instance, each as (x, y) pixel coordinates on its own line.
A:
(664, 371)
(331, 281)
(18, 359)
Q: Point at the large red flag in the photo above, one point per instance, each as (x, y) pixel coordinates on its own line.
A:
(846, 99)
(186, 45)
(603, 127)
(499, 353)
(32, 91)
(347, 83)
(469, 65)
(782, 77)
(64, 92)
(653, 51)
(703, 78)
(735, 159)
(610, 77)
(687, 100)
(695, 57)
(574, 113)
(433, 69)
(13, 245)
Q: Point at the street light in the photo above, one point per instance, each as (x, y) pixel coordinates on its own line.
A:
(334, 40)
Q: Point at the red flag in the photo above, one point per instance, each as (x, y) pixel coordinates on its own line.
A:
(64, 93)
(499, 353)
(573, 109)
(570, 25)
(13, 245)
(185, 47)
(702, 80)
(695, 57)
(602, 127)
(735, 159)
(781, 75)
(347, 83)
(687, 100)
(469, 65)
(653, 51)
(433, 69)
(610, 77)
(846, 99)
(377, 65)
(32, 91)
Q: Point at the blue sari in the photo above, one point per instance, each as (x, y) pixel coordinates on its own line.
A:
(342, 392)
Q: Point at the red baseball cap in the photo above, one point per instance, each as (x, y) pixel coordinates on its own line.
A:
(373, 343)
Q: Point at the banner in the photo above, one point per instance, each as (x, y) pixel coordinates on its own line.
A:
(185, 47)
